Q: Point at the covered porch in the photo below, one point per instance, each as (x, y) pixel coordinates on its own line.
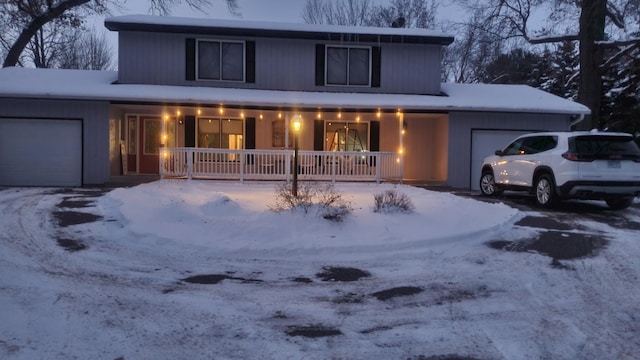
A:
(244, 142)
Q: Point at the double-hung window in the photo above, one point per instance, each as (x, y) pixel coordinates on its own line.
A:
(348, 66)
(221, 60)
(341, 65)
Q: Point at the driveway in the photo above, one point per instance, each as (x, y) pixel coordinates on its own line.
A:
(77, 282)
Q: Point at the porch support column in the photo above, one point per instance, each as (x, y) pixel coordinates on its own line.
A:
(401, 142)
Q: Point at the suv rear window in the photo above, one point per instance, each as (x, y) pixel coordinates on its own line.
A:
(604, 147)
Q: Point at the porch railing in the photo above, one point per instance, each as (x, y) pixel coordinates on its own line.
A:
(278, 164)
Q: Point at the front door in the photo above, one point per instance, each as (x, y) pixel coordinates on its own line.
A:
(150, 140)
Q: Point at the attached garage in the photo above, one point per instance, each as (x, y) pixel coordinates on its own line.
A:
(40, 152)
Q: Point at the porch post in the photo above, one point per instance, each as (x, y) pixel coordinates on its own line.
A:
(401, 136)
(189, 163)
(242, 164)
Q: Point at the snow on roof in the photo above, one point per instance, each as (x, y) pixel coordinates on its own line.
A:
(262, 28)
(18, 82)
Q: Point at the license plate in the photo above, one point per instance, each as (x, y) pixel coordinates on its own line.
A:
(613, 164)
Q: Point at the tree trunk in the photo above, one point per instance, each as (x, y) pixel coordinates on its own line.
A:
(592, 21)
(37, 22)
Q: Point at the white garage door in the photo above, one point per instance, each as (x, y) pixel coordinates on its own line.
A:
(40, 152)
(485, 143)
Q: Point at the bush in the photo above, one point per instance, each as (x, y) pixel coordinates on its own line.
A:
(390, 202)
(323, 198)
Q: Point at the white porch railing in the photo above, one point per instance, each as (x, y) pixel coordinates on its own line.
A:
(278, 164)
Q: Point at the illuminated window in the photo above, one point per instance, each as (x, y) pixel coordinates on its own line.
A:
(218, 133)
(346, 136)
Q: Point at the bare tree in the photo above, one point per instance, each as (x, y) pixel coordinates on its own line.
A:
(466, 59)
(406, 13)
(338, 12)
(86, 51)
(21, 20)
(596, 25)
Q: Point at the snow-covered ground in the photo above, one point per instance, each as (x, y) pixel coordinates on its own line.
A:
(125, 294)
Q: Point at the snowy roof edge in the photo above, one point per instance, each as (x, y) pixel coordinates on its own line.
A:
(101, 86)
(274, 29)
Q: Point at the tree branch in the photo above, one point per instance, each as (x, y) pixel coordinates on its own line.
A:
(616, 43)
(552, 39)
(32, 28)
(620, 54)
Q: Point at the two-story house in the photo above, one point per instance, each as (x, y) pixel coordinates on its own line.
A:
(230, 99)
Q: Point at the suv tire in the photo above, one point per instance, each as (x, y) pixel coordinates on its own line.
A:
(488, 184)
(619, 203)
(545, 191)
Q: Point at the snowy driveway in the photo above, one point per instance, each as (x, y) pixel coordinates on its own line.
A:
(201, 270)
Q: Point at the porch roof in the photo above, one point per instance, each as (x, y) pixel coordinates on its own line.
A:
(102, 85)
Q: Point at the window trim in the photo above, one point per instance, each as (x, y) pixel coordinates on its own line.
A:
(220, 41)
(348, 47)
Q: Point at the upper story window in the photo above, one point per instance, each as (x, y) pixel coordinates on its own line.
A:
(347, 65)
(220, 60)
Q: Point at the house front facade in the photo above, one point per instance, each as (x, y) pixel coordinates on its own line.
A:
(219, 99)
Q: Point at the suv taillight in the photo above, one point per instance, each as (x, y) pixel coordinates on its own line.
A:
(571, 156)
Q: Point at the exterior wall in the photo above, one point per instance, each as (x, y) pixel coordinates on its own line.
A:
(281, 64)
(425, 144)
(95, 128)
(461, 125)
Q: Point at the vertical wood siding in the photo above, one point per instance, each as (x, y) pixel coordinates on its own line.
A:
(462, 123)
(160, 58)
(95, 128)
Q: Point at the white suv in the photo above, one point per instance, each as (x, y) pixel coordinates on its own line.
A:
(567, 165)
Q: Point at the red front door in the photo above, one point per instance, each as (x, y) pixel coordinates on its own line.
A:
(149, 142)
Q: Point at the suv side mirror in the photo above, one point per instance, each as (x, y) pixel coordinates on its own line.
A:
(498, 152)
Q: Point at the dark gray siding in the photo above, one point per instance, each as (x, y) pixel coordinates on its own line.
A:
(95, 128)
(289, 64)
(462, 123)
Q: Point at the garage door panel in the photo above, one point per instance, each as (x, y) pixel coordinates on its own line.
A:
(485, 143)
(40, 152)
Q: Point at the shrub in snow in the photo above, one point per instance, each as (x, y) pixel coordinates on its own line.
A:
(323, 198)
(390, 202)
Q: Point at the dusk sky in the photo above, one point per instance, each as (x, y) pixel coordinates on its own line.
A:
(251, 10)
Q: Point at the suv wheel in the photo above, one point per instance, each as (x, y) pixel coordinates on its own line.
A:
(488, 184)
(620, 203)
(545, 191)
